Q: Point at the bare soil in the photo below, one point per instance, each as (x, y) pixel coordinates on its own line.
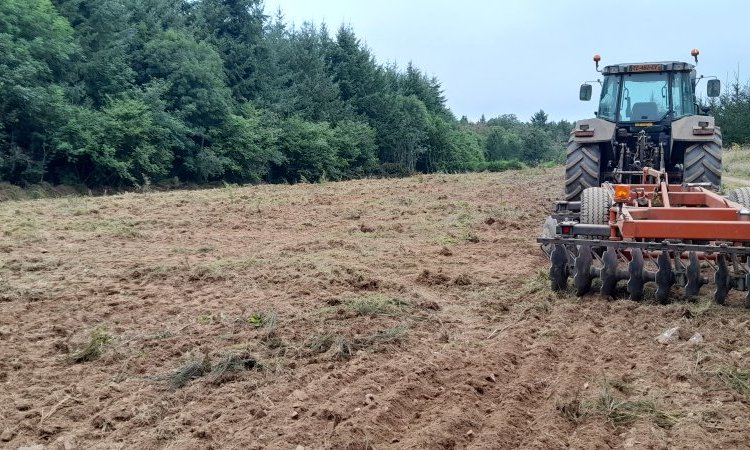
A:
(410, 313)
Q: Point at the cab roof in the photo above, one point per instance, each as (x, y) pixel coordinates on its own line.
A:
(675, 66)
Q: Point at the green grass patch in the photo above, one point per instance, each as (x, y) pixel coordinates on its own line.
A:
(736, 161)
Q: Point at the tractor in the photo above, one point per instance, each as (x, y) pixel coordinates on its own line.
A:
(648, 116)
(641, 193)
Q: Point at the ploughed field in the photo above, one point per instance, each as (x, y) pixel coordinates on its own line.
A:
(410, 313)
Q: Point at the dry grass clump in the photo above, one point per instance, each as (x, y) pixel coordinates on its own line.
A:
(343, 347)
(377, 305)
(191, 370)
(616, 410)
(622, 412)
(99, 339)
(735, 379)
(226, 369)
(230, 365)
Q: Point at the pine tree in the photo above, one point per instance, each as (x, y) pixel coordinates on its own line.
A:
(539, 119)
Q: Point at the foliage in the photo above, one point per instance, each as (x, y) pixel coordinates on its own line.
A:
(732, 112)
(131, 92)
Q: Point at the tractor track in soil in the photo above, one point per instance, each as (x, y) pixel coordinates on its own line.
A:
(410, 313)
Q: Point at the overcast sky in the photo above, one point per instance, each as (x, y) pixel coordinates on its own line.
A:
(497, 57)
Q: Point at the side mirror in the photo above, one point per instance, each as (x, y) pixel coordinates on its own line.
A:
(585, 94)
(714, 88)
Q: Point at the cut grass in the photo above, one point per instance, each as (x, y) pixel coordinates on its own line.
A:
(377, 305)
(219, 270)
(343, 347)
(622, 412)
(191, 370)
(735, 379)
(230, 365)
(540, 283)
(100, 338)
(226, 369)
(619, 412)
(108, 226)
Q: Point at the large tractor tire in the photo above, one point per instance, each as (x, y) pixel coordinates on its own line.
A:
(741, 196)
(595, 204)
(703, 163)
(581, 169)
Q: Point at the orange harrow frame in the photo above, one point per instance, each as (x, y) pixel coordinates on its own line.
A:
(680, 229)
(654, 211)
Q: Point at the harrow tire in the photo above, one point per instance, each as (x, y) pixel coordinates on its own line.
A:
(595, 202)
(741, 196)
(703, 163)
(582, 169)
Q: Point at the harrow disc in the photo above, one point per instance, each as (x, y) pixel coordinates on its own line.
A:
(664, 278)
(636, 280)
(609, 272)
(582, 278)
(693, 275)
(721, 278)
(558, 271)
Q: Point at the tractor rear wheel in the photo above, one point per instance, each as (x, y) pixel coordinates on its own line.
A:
(581, 169)
(595, 204)
(741, 196)
(703, 163)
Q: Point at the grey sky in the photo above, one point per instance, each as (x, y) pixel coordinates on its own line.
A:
(497, 57)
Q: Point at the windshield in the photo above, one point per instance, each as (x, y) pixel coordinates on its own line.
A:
(644, 97)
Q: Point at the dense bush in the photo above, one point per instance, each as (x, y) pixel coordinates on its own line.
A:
(132, 92)
(732, 111)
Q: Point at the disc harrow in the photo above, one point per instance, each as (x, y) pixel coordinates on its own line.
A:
(658, 234)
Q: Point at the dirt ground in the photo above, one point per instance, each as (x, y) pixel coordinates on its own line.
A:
(408, 313)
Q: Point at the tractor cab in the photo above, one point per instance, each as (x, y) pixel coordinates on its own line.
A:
(648, 116)
(650, 92)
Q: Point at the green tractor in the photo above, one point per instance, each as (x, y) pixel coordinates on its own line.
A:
(648, 116)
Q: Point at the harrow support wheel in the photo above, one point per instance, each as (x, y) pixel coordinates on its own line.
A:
(741, 196)
(595, 204)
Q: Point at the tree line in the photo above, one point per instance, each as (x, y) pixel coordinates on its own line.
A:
(132, 92)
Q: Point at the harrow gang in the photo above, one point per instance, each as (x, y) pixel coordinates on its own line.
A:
(680, 230)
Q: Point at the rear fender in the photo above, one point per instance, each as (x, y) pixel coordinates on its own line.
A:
(696, 129)
(603, 131)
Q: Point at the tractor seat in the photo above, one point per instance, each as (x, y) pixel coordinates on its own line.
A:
(644, 111)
